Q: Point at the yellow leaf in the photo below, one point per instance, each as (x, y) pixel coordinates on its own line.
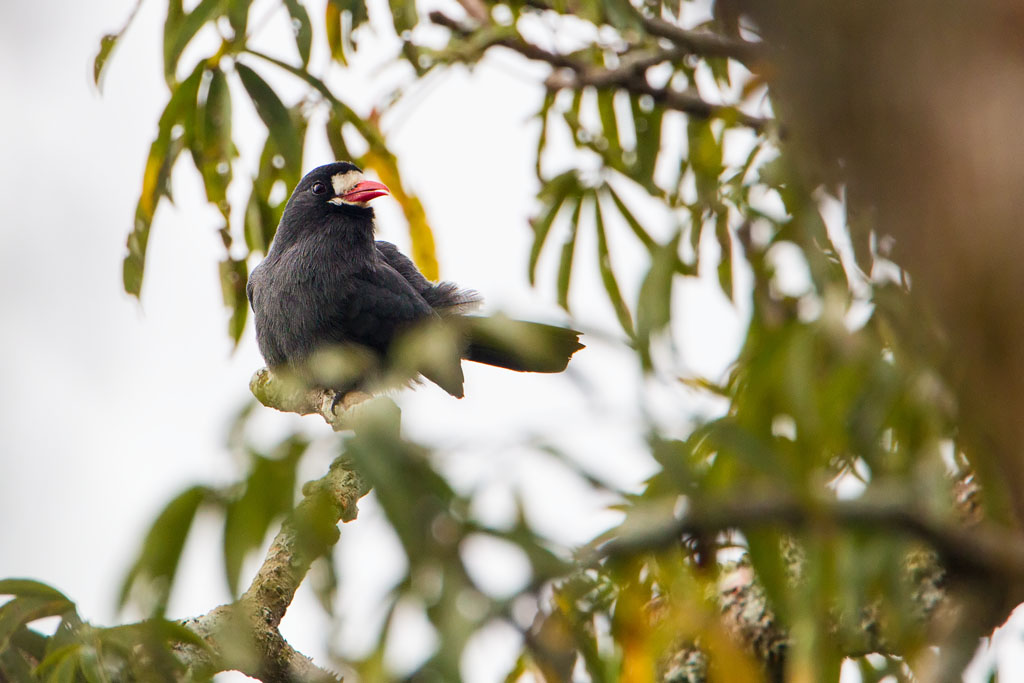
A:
(424, 254)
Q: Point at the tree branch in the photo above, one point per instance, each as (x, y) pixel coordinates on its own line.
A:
(245, 635)
(980, 551)
(631, 76)
(291, 396)
(706, 43)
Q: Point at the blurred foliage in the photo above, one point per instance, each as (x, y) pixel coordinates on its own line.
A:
(835, 395)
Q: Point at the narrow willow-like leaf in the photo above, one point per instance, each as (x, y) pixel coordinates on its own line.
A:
(180, 31)
(654, 307)
(542, 139)
(424, 252)
(648, 137)
(335, 136)
(622, 15)
(568, 250)
(24, 609)
(302, 27)
(175, 15)
(269, 493)
(609, 125)
(403, 15)
(705, 157)
(163, 152)
(552, 194)
(14, 665)
(276, 117)
(611, 285)
(631, 220)
(107, 44)
(333, 28)
(233, 277)
(238, 15)
(60, 666)
(725, 279)
(157, 563)
(30, 587)
(92, 668)
(213, 147)
(259, 222)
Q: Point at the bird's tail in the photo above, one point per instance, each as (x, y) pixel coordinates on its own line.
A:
(519, 345)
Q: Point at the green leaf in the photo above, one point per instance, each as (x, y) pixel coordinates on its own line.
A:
(213, 148)
(648, 137)
(654, 307)
(14, 666)
(262, 217)
(552, 195)
(631, 220)
(335, 138)
(339, 32)
(542, 139)
(233, 277)
(705, 157)
(157, 564)
(622, 15)
(568, 249)
(421, 235)
(611, 285)
(156, 178)
(276, 117)
(61, 665)
(334, 26)
(606, 110)
(269, 493)
(22, 610)
(412, 494)
(302, 27)
(179, 30)
(238, 16)
(92, 667)
(107, 44)
(725, 279)
(259, 222)
(29, 588)
(404, 16)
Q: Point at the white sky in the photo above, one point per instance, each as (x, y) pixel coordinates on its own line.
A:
(109, 407)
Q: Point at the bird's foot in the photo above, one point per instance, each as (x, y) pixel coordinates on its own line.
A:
(347, 399)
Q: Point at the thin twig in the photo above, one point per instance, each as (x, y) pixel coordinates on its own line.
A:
(631, 76)
(706, 43)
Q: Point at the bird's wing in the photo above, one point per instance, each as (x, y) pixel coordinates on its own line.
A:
(445, 297)
(403, 265)
(382, 305)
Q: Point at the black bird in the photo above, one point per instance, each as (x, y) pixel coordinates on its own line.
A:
(327, 284)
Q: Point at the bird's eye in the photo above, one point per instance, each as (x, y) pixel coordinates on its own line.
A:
(319, 188)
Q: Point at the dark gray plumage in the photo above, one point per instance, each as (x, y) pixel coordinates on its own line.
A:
(327, 283)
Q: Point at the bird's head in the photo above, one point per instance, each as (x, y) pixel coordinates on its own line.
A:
(338, 186)
(328, 194)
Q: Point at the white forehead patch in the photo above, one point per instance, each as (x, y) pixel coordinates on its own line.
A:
(343, 182)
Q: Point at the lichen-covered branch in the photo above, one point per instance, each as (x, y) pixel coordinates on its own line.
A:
(291, 396)
(245, 635)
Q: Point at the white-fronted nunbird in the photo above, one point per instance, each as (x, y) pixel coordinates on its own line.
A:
(339, 309)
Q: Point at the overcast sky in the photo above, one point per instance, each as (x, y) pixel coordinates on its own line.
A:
(111, 406)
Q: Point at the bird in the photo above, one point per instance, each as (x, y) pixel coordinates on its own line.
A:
(334, 306)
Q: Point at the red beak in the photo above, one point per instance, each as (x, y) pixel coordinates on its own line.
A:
(365, 191)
